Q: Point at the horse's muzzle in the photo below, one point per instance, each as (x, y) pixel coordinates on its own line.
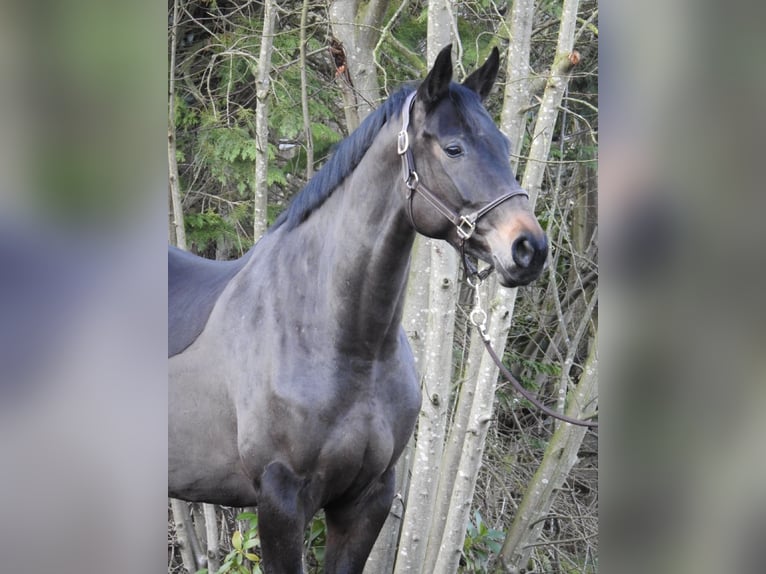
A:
(526, 262)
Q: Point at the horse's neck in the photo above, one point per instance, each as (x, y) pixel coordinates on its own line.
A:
(366, 249)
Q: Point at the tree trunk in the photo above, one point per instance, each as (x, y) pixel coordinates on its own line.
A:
(185, 534)
(174, 187)
(305, 96)
(555, 86)
(554, 467)
(457, 433)
(415, 317)
(433, 415)
(357, 25)
(560, 456)
(439, 29)
(415, 322)
(513, 119)
(475, 404)
(478, 399)
(436, 368)
(211, 532)
(467, 439)
(262, 89)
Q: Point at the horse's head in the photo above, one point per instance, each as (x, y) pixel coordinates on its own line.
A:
(463, 190)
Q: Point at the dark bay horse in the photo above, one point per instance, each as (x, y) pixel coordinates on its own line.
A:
(291, 382)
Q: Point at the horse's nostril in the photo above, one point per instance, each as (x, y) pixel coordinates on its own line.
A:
(523, 252)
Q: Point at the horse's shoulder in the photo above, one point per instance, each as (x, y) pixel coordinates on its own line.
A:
(194, 285)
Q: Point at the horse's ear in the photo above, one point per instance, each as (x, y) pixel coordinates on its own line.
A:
(436, 84)
(482, 80)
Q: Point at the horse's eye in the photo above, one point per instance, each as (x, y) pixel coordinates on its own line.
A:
(453, 150)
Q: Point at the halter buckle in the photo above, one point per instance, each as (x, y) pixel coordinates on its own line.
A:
(465, 227)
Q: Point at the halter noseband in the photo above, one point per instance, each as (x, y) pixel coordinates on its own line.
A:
(464, 224)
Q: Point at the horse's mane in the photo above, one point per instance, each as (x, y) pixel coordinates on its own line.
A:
(347, 156)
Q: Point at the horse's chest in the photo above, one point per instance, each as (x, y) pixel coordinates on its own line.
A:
(348, 428)
(365, 438)
(342, 428)
(359, 445)
(337, 423)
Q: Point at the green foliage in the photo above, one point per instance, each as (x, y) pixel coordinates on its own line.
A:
(275, 175)
(214, 119)
(243, 558)
(590, 568)
(575, 152)
(589, 153)
(285, 113)
(229, 154)
(476, 51)
(186, 117)
(272, 212)
(552, 7)
(402, 59)
(535, 443)
(507, 396)
(324, 138)
(316, 541)
(534, 368)
(481, 544)
(205, 228)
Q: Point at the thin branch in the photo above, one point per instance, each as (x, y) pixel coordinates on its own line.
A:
(562, 541)
(587, 24)
(574, 346)
(383, 33)
(309, 143)
(552, 161)
(456, 41)
(173, 179)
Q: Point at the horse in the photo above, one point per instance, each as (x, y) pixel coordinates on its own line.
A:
(292, 386)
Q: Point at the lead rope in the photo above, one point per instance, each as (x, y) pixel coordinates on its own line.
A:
(478, 318)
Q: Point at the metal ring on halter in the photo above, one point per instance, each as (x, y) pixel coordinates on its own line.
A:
(470, 278)
(413, 180)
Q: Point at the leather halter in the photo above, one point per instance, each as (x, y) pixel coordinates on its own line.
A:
(464, 224)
